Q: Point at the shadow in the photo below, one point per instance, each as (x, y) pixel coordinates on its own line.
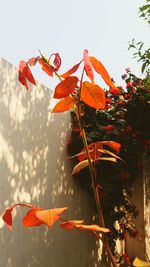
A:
(33, 170)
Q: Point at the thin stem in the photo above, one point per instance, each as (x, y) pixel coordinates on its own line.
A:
(92, 172)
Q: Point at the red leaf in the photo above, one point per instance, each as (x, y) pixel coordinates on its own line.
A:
(71, 71)
(112, 144)
(88, 65)
(7, 217)
(64, 104)
(30, 219)
(25, 74)
(57, 61)
(49, 217)
(46, 67)
(66, 87)
(93, 95)
(100, 69)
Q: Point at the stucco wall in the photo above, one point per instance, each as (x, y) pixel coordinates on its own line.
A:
(33, 169)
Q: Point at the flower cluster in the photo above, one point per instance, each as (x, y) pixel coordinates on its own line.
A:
(126, 119)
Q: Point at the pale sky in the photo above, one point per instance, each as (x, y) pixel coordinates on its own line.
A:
(68, 27)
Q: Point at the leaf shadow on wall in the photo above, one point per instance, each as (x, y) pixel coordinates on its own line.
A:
(33, 170)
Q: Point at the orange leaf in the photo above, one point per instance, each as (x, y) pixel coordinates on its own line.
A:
(112, 144)
(46, 67)
(88, 65)
(30, 219)
(100, 69)
(32, 61)
(64, 104)
(93, 95)
(66, 87)
(92, 228)
(70, 224)
(7, 217)
(25, 74)
(49, 217)
(71, 71)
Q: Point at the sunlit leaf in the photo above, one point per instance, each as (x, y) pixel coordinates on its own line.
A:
(93, 95)
(71, 71)
(46, 66)
(83, 227)
(7, 217)
(49, 217)
(64, 104)
(71, 224)
(93, 227)
(81, 165)
(139, 263)
(100, 69)
(66, 87)
(88, 65)
(30, 218)
(25, 74)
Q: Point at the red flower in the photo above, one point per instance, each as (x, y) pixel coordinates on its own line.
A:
(128, 129)
(147, 144)
(108, 100)
(115, 91)
(126, 258)
(109, 128)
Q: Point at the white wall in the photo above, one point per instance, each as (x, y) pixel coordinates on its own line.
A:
(33, 169)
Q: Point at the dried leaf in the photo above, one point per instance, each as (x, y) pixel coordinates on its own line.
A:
(64, 104)
(107, 159)
(139, 263)
(71, 71)
(49, 217)
(88, 65)
(105, 151)
(81, 165)
(93, 95)
(66, 87)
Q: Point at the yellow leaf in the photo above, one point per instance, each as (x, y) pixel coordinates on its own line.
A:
(139, 263)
